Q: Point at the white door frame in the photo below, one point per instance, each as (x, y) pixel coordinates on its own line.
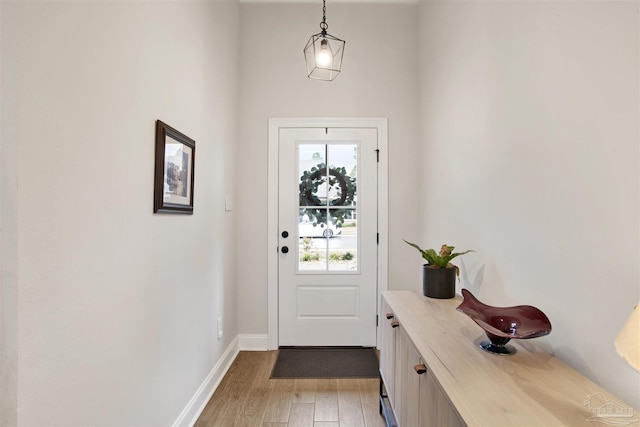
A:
(272, 205)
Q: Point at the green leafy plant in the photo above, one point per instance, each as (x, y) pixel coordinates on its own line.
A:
(306, 257)
(306, 243)
(440, 259)
(341, 256)
(334, 256)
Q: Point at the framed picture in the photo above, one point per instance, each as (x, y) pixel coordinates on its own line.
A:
(175, 159)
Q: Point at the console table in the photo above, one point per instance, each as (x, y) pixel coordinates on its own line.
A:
(434, 374)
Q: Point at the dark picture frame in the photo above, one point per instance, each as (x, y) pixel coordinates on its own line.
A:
(174, 171)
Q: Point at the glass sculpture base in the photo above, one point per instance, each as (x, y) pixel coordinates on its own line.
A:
(505, 350)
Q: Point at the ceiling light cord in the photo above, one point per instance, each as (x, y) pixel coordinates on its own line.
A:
(323, 24)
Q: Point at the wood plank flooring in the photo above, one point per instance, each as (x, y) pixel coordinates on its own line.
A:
(247, 396)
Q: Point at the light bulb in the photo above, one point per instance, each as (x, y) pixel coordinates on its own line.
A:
(324, 56)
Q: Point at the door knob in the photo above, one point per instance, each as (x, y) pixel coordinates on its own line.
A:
(285, 249)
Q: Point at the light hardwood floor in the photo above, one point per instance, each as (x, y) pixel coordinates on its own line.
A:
(247, 396)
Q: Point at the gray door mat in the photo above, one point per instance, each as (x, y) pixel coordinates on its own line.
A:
(326, 362)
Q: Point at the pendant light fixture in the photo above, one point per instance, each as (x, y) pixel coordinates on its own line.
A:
(323, 52)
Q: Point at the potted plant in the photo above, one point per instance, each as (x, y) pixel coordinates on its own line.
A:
(438, 274)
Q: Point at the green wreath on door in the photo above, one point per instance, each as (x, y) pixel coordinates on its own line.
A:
(309, 183)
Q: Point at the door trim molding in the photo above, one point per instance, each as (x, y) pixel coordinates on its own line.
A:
(275, 124)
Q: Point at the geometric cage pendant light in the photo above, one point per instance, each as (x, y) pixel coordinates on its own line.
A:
(323, 52)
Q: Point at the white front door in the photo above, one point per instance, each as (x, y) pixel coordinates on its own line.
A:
(327, 268)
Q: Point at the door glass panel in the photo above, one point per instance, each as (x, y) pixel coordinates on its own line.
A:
(312, 249)
(327, 207)
(312, 170)
(343, 163)
(343, 249)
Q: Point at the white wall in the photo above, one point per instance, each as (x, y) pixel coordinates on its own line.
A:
(530, 134)
(116, 306)
(8, 257)
(378, 80)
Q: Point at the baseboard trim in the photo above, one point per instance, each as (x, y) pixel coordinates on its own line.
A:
(253, 342)
(201, 397)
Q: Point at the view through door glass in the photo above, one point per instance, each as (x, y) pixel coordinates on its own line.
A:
(327, 199)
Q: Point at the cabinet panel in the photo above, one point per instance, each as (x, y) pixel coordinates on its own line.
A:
(435, 408)
(387, 350)
(407, 381)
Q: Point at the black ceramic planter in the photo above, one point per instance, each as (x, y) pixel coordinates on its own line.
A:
(438, 282)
